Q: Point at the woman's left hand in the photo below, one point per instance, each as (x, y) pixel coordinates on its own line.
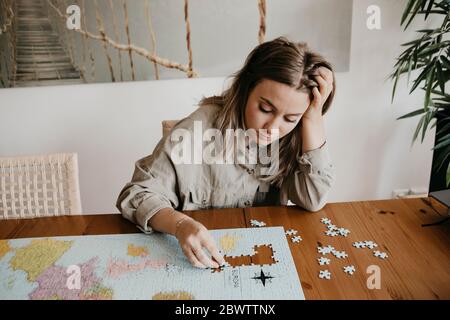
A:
(325, 81)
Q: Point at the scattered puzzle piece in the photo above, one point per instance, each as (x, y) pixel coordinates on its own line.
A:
(379, 254)
(323, 261)
(325, 274)
(340, 254)
(296, 239)
(291, 232)
(349, 269)
(370, 244)
(332, 227)
(256, 223)
(333, 230)
(359, 244)
(325, 250)
(365, 244)
(343, 232)
(331, 233)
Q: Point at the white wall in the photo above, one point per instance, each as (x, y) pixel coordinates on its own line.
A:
(112, 125)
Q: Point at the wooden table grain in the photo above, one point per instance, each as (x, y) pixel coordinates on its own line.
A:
(418, 266)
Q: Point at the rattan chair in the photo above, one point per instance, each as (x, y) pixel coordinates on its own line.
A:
(39, 186)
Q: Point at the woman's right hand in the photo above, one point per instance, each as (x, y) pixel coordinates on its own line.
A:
(193, 237)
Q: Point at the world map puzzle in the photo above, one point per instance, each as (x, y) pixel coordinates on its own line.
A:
(138, 266)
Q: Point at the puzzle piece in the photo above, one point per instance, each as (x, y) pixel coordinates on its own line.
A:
(349, 269)
(331, 233)
(379, 254)
(340, 254)
(333, 230)
(343, 232)
(296, 239)
(291, 232)
(359, 244)
(325, 250)
(256, 223)
(325, 274)
(370, 244)
(332, 227)
(322, 250)
(323, 261)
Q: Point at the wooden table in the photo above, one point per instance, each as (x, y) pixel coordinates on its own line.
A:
(418, 266)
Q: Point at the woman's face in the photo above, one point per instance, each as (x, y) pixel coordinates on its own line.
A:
(274, 105)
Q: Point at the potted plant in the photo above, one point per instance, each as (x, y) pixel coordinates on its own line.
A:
(430, 54)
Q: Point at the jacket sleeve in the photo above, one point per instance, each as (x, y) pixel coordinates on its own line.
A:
(308, 187)
(152, 187)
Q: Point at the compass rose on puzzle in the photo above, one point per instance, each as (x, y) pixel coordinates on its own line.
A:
(263, 277)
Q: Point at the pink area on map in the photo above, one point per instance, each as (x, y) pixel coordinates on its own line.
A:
(52, 284)
(119, 267)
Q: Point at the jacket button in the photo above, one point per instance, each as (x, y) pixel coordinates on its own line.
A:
(250, 171)
(204, 202)
(247, 203)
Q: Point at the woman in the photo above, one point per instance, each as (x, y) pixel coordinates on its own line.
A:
(282, 93)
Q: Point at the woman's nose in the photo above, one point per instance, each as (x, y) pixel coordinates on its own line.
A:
(272, 126)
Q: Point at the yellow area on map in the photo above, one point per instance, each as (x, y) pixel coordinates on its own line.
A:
(4, 248)
(98, 292)
(136, 251)
(38, 256)
(173, 295)
(228, 242)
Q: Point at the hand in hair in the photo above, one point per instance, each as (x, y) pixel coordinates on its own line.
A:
(321, 94)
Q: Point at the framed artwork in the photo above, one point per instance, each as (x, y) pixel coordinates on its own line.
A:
(52, 42)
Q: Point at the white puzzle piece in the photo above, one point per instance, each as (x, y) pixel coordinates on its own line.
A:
(325, 274)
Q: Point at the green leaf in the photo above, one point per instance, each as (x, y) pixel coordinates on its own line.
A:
(444, 4)
(443, 138)
(445, 62)
(443, 129)
(440, 76)
(426, 31)
(413, 14)
(430, 6)
(441, 144)
(426, 122)
(409, 70)
(420, 77)
(429, 84)
(395, 84)
(440, 159)
(412, 114)
(415, 42)
(419, 125)
(408, 8)
(445, 96)
(428, 52)
(434, 124)
(416, 52)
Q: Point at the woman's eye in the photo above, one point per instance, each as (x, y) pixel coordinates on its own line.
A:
(291, 121)
(264, 110)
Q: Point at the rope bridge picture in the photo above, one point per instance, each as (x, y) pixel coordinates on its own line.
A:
(52, 42)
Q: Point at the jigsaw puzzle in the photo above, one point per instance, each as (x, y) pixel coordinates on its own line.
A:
(139, 266)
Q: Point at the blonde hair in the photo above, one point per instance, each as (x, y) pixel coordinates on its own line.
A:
(279, 60)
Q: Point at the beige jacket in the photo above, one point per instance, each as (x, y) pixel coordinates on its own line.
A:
(159, 182)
